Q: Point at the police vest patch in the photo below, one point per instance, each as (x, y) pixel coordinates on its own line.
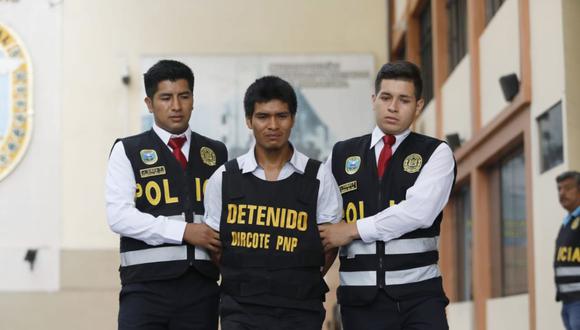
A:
(575, 223)
(349, 186)
(153, 171)
(412, 163)
(148, 156)
(352, 165)
(207, 156)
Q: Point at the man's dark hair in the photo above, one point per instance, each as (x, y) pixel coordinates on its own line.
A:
(166, 70)
(569, 175)
(267, 89)
(401, 70)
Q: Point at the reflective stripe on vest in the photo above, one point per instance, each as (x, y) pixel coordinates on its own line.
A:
(158, 254)
(412, 275)
(164, 253)
(569, 287)
(397, 246)
(406, 276)
(358, 278)
(567, 271)
(200, 253)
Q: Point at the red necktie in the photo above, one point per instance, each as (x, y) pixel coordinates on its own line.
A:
(386, 154)
(176, 143)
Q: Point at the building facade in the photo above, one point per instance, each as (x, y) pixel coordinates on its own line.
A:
(500, 81)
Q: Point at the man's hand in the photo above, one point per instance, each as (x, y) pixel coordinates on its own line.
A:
(202, 235)
(336, 235)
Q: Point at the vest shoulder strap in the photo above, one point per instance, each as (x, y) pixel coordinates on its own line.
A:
(312, 167)
(308, 185)
(233, 179)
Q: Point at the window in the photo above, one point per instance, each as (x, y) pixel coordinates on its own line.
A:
(510, 273)
(426, 51)
(550, 131)
(457, 31)
(464, 229)
(491, 7)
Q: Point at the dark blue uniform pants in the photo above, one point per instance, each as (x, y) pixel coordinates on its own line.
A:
(236, 316)
(426, 313)
(189, 302)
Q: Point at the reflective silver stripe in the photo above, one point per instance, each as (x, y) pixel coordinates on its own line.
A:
(367, 278)
(201, 254)
(569, 287)
(568, 271)
(158, 254)
(179, 217)
(412, 245)
(412, 275)
(197, 218)
(358, 247)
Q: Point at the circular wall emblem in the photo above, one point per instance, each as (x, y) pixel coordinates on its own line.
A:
(15, 100)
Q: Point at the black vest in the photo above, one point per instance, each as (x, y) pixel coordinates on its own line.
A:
(272, 251)
(567, 262)
(405, 267)
(164, 188)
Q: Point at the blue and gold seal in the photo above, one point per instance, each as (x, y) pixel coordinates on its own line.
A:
(15, 100)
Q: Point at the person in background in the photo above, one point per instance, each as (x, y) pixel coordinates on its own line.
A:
(567, 258)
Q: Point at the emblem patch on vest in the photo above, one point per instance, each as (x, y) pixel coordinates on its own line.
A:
(575, 223)
(412, 163)
(352, 165)
(153, 171)
(148, 156)
(349, 186)
(207, 156)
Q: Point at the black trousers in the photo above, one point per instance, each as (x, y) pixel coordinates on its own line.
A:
(237, 316)
(384, 313)
(189, 302)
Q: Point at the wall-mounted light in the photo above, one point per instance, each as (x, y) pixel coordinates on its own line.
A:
(453, 140)
(125, 76)
(30, 257)
(510, 86)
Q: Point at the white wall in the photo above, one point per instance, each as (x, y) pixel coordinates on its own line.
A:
(508, 313)
(425, 124)
(400, 10)
(456, 101)
(30, 206)
(460, 315)
(499, 47)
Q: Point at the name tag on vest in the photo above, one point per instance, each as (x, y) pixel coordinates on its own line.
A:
(153, 171)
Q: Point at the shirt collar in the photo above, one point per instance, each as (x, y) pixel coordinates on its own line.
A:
(250, 164)
(576, 212)
(377, 136)
(571, 216)
(165, 135)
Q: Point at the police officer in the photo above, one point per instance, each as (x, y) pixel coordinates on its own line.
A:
(154, 194)
(394, 185)
(266, 204)
(567, 258)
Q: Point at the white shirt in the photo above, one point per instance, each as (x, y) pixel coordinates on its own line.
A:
(423, 201)
(329, 207)
(120, 186)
